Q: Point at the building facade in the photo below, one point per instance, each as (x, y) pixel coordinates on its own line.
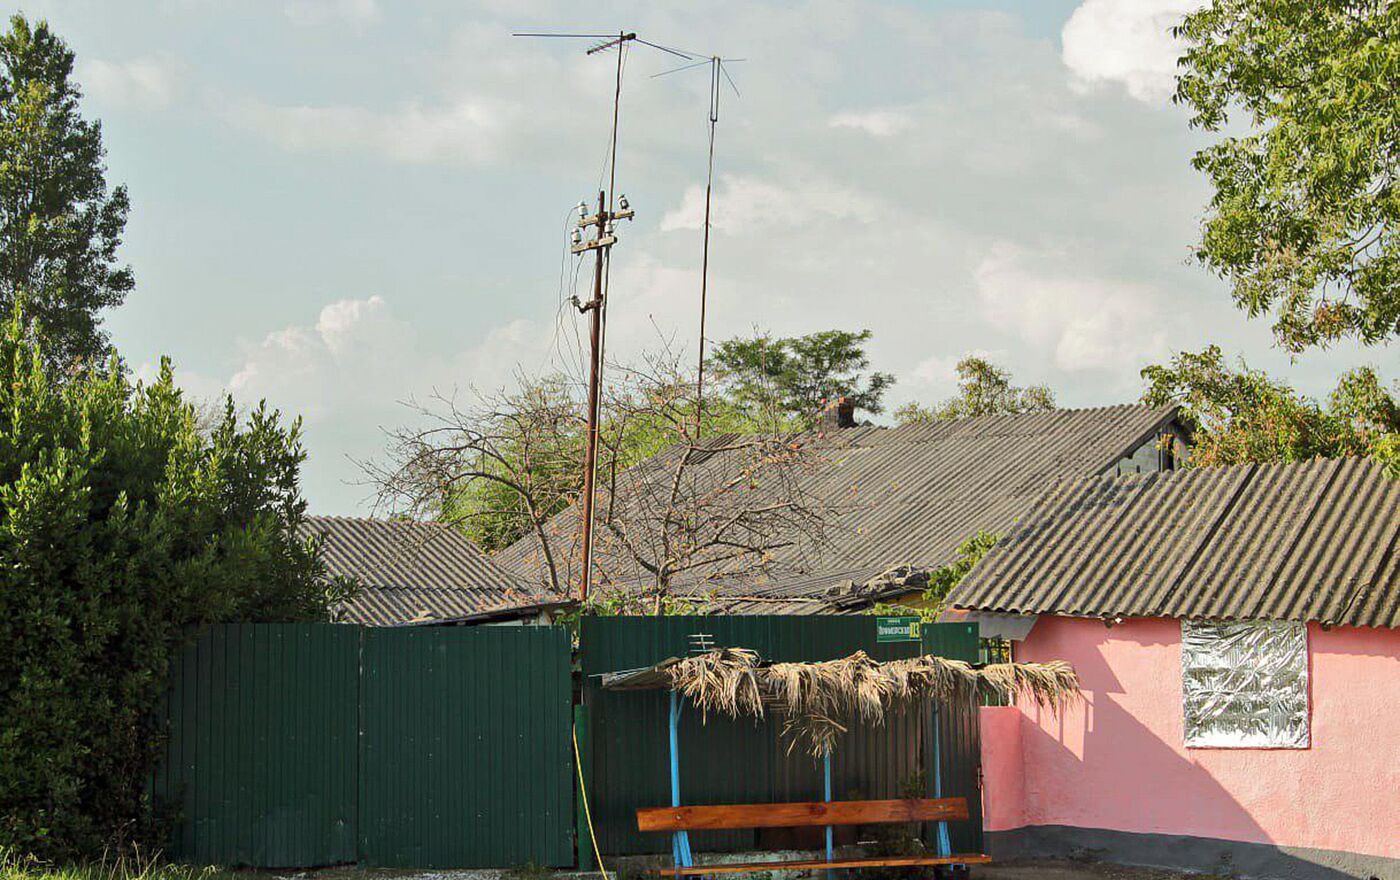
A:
(1236, 632)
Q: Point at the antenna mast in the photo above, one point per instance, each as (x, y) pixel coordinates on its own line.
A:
(705, 249)
(716, 65)
(609, 209)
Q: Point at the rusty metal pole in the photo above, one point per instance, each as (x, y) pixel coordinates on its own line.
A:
(590, 451)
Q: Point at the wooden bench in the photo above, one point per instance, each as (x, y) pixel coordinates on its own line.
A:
(818, 813)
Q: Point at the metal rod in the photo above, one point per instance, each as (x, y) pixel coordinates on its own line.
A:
(705, 249)
(826, 772)
(598, 335)
(680, 840)
(945, 848)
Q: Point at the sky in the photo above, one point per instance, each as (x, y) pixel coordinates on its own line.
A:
(343, 206)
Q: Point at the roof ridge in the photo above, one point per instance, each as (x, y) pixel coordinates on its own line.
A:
(1058, 410)
(376, 520)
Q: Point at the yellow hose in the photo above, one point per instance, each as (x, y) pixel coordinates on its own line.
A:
(583, 792)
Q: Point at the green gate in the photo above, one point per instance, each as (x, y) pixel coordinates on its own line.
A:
(295, 745)
(728, 761)
(466, 757)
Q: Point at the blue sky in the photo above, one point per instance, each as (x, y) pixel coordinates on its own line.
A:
(339, 205)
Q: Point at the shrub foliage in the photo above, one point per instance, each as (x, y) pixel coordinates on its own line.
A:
(123, 524)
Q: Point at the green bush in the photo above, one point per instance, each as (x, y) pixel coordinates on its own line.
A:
(123, 525)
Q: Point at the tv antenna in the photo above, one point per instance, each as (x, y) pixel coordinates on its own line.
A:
(716, 65)
(602, 221)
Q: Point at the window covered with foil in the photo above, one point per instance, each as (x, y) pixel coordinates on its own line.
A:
(1245, 684)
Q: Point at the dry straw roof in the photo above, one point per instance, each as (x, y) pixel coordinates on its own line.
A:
(819, 700)
(1312, 541)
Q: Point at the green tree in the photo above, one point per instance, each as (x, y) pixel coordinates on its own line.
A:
(500, 470)
(59, 224)
(1304, 220)
(984, 389)
(793, 376)
(1242, 415)
(123, 524)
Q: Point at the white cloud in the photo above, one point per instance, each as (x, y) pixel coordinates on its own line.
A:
(317, 12)
(149, 82)
(940, 371)
(878, 123)
(744, 203)
(348, 374)
(1083, 322)
(464, 131)
(1128, 42)
(359, 353)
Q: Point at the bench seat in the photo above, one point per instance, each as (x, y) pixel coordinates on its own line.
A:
(821, 864)
(722, 817)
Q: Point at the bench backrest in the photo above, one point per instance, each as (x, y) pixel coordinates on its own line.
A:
(733, 816)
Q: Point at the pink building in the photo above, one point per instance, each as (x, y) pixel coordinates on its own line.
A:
(1237, 635)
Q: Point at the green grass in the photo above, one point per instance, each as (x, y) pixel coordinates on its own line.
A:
(131, 867)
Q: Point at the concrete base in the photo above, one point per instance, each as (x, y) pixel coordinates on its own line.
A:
(1227, 858)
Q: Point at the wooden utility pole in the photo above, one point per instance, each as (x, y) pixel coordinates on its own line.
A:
(603, 239)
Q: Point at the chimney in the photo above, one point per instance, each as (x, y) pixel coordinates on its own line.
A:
(836, 414)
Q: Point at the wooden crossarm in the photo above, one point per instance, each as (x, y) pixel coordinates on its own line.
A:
(795, 815)
(818, 864)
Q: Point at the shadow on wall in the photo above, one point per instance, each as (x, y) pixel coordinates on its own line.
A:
(1107, 779)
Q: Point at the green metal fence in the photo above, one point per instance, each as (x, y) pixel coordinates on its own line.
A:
(260, 764)
(726, 761)
(466, 759)
(315, 744)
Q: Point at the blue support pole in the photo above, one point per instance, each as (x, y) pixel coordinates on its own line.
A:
(945, 848)
(826, 773)
(680, 841)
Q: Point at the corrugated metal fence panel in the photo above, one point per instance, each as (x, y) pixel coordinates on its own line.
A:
(261, 756)
(959, 737)
(467, 759)
(725, 761)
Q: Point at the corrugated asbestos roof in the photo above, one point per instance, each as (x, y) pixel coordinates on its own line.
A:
(1314, 541)
(415, 572)
(905, 495)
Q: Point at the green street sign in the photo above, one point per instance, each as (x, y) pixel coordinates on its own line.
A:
(896, 629)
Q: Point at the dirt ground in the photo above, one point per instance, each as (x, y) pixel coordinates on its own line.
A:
(1046, 869)
(1052, 869)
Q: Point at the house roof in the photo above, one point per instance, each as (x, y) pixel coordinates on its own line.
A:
(1314, 541)
(899, 496)
(417, 572)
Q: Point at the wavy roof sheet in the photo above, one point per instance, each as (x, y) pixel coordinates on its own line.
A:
(416, 572)
(1314, 541)
(905, 495)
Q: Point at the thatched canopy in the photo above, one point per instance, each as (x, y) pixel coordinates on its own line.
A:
(819, 700)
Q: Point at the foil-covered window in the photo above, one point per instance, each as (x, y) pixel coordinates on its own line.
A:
(1245, 684)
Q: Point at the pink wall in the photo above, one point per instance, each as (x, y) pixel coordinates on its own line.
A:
(1117, 761)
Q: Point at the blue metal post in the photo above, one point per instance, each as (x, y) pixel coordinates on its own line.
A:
(826, 772)
(945, 848)
(680, 840)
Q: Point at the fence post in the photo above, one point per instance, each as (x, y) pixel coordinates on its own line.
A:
(583, 835)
